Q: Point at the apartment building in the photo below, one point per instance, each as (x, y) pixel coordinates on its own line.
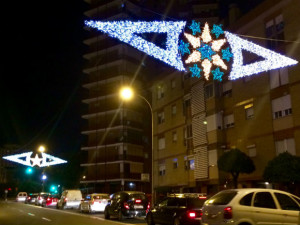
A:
(196, 121)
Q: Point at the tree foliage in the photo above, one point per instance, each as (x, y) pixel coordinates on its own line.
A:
(235, 162)
(284, 168)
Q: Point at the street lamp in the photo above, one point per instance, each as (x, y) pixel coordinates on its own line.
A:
(44, 177)
(126, 93)
(41, 148)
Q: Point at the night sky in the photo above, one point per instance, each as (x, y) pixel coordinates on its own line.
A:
(41, 71)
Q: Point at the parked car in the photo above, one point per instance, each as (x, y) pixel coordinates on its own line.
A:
(94, 203)
(183, 208)
(251, 207)
(127, 204)
(21, 196)
(50, 200)
(40, 198)
(69, 199)
(31, 198)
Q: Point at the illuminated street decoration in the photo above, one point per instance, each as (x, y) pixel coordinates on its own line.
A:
(27, 160)
(212, 53)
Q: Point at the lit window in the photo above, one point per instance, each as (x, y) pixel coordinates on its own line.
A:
(161, 143)
(174, 109)
(160, 92)
(279, 77)
(251, 150)
(286, 145)
(161, 117)
(229, 121)
(249, 111)
(174, 136)
(175, 163)
(281, 106)
(162, 168)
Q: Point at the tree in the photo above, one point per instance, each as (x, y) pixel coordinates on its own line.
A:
(284, 169)
(235, 162)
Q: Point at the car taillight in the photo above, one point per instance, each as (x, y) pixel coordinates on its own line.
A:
(138, 201)
(148, 206)
(29, 198)
(228, 213)
(192, 214)
(66, 199)
(202, 197)
(48, 199)
(126, 205)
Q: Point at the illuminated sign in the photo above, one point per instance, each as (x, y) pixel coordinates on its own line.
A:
(208, 52)
(27, 160)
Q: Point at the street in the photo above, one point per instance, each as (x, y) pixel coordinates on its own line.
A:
(14, 213)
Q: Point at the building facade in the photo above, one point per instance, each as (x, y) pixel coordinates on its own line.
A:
(196, 121)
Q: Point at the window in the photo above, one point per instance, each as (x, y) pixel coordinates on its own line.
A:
(174, 136)
(275, 30)
(286, 202)
(192, 164)
(246, 200)
(251, 150)
(229, 121)
(187, 110)
(281, 106)
(162, 168)
(189, 164)
(175, 163)
(161, 143)
(173, 83)
(286, 145)
(279, 77)
(222, 198)
(212, 157)
(227, 89)
(249, 111)
(160, 92)
(264, 200)
(209, 91)
(161, 117)
(174, 110)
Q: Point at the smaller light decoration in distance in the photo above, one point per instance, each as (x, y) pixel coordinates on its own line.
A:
(27, 160)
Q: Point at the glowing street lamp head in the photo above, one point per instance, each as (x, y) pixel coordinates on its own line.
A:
(41, 148)
(126, 93)
(44, 177)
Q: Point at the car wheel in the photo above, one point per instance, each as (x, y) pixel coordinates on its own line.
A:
(150, 220)
(120, 216)
(80, 208)
(176, 221)
(106, 214)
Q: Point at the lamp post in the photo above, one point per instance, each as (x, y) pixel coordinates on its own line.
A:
(127, 94)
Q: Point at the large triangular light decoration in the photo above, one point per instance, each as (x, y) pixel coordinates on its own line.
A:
(205, 52)
(272, 60)
(126, 32)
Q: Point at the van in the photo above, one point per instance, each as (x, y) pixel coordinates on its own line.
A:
(69, 199)
(21, 197)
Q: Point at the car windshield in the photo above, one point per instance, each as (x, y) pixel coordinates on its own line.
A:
(101, 197)
(195, 202)
(137, 196)
(222, 198)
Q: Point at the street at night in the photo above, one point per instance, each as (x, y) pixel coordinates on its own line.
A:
(16, 213)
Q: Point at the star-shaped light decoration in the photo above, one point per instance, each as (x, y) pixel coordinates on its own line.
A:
(217, 30)
(36, 160)
(184, 47)
(195, 71)
(195, 27)
(217, 74)
(205, 52)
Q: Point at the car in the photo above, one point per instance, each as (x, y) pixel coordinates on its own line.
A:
(70, 199)
(31, 198)
(40, 198)
(251, 206)
(94, 203)
(181, 208)
(21, 197)
(50, 200)
(127, 204)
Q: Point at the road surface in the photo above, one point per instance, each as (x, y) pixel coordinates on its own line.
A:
(16, 213)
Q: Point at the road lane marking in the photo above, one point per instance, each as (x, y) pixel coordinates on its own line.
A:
(44, 218)
(20, 210)
(30, 214)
